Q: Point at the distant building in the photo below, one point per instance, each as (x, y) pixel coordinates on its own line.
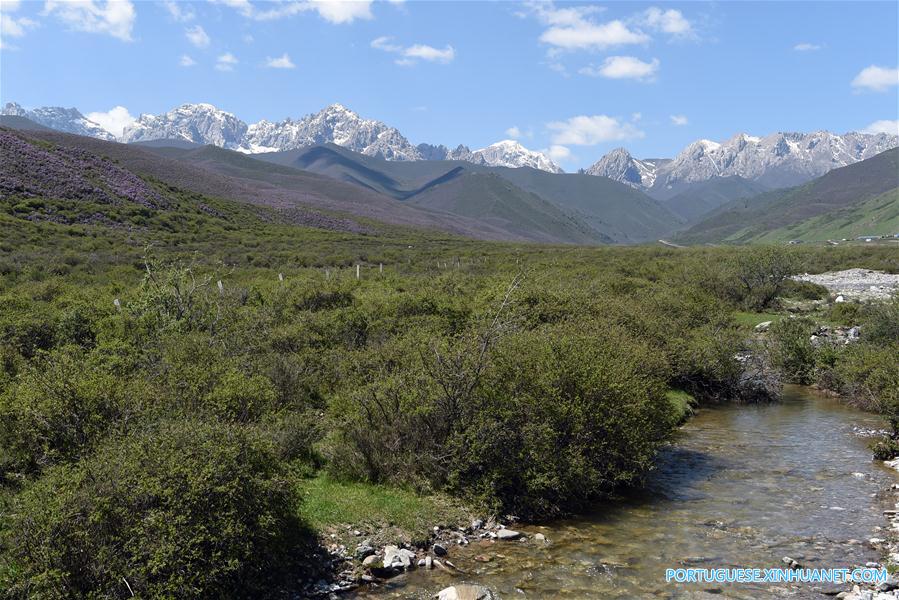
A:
(794, 242)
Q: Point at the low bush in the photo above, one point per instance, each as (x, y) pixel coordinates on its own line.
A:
(563, 418)
(183, 510)
(57, 410)
(791, 350)
(844, 313)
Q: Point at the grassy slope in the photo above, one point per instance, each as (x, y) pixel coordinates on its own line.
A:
(614, 209)
(877, 216)
(700, 199)
(749, 219)
(304, 195)
(491, 199)
(620, 213)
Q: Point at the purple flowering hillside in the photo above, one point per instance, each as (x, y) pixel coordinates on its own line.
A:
(43, 170)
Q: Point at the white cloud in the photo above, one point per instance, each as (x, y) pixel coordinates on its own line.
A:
(591, 130)
(587, 35)
(186, 61)
(242, 6)
(513, 132)
(884, 126)
(384, 43)
(179, 11)
(876, 78)
(806, 47)
(410, 55)
(430, 53)
(635, 117)
(11, 26)
(333, 11)
(679, 120)
(226, 62)
(624, 67)
(669, 21)
(575, 28)
(558, 153)
(282, 62)
(197, 36)
(548, 14)
(342, 11)
(113, 17)
(14, 27)
(114, 120)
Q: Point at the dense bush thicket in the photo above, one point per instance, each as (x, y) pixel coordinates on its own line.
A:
(158, 417)
(866, 371)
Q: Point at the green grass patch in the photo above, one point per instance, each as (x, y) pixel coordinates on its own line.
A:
(328, 503)
(748, 320)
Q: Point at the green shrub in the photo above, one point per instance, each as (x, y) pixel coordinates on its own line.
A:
(885, 448)
(791, 350)
(563, 418)
(183, 510)
(237, 397)
(844, 313)
(57, 410)
(881, 322)
(803, 290)
(870, 374)
(757, 275)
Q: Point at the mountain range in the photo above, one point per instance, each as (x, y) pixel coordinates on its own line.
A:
(331, 186)
(773, 161)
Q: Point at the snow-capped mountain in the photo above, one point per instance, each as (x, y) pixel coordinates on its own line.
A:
(61, 119)
(621, 166)
(776, 160)
(334, 124)
(197, 123)
(509, 153)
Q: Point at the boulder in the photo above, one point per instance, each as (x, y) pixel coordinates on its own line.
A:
(398, 558)
(763, 326)
(507, 535)
(464, 592)
(370, 561)
(439, 550)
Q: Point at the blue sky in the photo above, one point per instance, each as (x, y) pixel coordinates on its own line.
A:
(574, 79)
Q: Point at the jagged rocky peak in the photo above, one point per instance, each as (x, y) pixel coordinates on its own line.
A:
(69, 120)
(779, 159)
(624, 168)
(334, 124)
(198, 123)
(203, 123)
(509, 153)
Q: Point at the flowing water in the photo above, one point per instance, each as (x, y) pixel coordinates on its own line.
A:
(741, 486)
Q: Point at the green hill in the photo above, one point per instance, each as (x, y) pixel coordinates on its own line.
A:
(614, 211)
(877, 216)
(848, 188)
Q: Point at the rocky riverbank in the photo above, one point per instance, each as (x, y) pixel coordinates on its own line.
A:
(365, 563)
(888, 545)
(855, 284)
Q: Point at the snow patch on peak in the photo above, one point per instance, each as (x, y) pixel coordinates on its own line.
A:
(510, 153)
(624, 168)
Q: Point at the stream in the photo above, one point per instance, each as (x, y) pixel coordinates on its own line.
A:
(740, 486)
